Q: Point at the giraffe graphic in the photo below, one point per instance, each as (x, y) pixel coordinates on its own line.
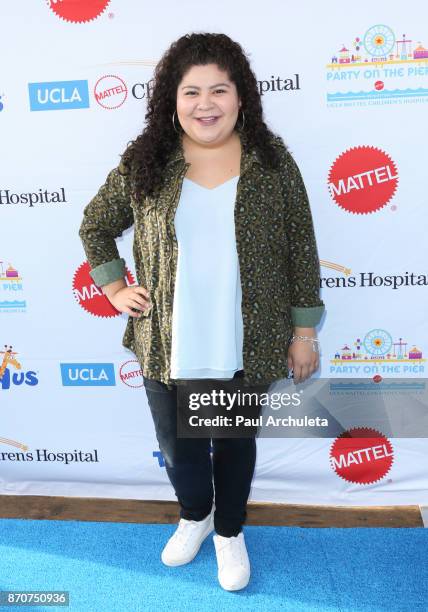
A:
(8, 359)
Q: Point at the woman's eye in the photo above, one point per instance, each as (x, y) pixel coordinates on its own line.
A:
(190, 93)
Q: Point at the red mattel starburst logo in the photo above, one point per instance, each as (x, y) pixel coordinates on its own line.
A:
(362, 180)
(90, 297)
(78, 11)
(362, 455)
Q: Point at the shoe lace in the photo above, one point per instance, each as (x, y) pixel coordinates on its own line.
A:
(232, 552)
(184, 529)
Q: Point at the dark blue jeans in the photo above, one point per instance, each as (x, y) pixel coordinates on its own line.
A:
(191, 470)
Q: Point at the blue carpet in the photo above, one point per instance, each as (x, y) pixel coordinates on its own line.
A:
(116, 567)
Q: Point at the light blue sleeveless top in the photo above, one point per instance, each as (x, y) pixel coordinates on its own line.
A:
(207, 327)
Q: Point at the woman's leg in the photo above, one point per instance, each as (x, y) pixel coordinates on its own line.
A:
(187, 460)
(234, 460)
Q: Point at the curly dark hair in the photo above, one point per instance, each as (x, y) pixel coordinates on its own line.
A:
(146, 156)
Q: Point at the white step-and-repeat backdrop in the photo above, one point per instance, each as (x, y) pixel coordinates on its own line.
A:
(347, 88)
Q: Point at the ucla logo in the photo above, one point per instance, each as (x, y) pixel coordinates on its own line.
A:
(10, 371)
(87, 375)
(58, 95)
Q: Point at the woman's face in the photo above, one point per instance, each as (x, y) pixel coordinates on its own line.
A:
(207, 104)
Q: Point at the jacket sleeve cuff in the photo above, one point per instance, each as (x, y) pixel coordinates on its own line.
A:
(306, 316)
(108, 272)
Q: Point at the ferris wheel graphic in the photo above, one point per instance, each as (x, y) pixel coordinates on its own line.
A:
(379, 40)
(377, 342)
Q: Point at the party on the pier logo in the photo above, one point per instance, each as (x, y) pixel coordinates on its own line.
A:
(361, 455)
(11, 289)
(362, 179)
(90, 296)
(378, 67)
(78, 11)
(11, 372)
(378, 353)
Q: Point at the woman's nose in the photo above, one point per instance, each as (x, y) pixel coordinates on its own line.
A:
(205, 101)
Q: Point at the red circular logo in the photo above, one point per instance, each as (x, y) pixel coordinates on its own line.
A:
(90, 297)
(110, 91)
(379, 85)
(361, 455)
(362, 179)
(131, 373)
(78, 11)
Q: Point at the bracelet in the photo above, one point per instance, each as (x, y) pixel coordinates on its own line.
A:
(315, 341)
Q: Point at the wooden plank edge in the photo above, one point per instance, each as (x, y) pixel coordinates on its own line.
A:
(157, 511)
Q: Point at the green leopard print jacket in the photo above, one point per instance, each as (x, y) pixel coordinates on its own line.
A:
(276, 247)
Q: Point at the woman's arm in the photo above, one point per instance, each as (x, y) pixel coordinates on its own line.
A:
(105, 218)
(303, 272)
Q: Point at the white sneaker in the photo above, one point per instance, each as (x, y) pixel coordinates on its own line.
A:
(184, 544)
(233, 562)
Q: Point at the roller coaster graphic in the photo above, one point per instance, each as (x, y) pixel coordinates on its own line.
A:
(379, 346)
(381, 46)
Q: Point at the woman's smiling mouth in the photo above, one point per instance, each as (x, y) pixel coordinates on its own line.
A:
(207, 120)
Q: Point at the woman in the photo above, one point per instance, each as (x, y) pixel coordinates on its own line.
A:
(227, 269)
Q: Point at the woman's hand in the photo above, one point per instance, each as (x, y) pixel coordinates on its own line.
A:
(124, 297)
(133, 296)
(302, 359)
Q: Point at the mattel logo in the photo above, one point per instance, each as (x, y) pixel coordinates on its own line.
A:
(88, 375)
(58, 95)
